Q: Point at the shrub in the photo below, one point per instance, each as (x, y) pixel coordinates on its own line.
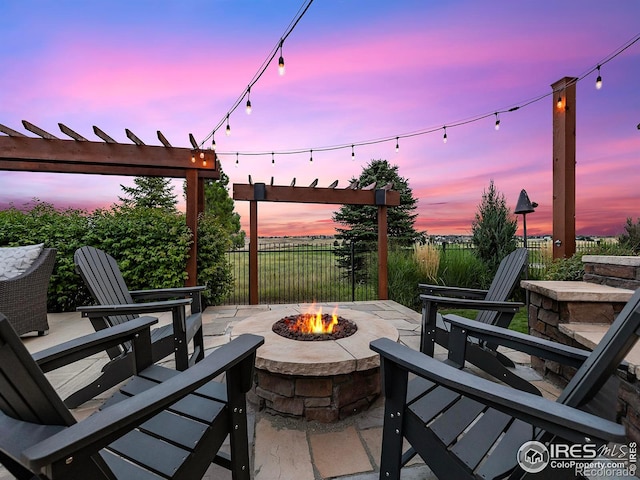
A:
(462, 268)
(572, 268)
(214, 269)
(150, 245)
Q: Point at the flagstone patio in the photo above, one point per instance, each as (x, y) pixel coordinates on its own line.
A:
(283, 447)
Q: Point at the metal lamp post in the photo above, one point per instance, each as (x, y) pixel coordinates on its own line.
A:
(523, 207)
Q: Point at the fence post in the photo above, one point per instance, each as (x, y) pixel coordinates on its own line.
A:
(353, 273)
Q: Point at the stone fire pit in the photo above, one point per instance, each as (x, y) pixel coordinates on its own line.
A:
(323, 380)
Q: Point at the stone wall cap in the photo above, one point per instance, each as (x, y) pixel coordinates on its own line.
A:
(577, 291)
(623, 260)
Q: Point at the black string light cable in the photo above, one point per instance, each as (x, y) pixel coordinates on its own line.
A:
(247, 92)
(396, 137)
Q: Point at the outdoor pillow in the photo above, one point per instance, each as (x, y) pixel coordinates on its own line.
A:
(15, 261)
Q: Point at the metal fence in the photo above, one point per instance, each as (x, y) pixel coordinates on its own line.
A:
(328, 271)
(301, 272)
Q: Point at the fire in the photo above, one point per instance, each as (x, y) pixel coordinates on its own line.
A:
(315, 322)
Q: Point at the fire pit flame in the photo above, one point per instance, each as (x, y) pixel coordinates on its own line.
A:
(315, 325)
(314, 322)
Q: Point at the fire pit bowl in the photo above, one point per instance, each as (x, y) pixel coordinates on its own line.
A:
(317, 380)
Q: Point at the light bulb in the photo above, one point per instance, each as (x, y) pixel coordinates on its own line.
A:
(311, 155)
(201, 155)
(353, 154)
(248, 107)
(559, 103)
(213, 143)
(204, 162)
(281, 65)
(397, 145)
(497, 122)
(444, 137)
(273, 160)
(237, 160)
(228, 130)
(599, 80)
(193, 159)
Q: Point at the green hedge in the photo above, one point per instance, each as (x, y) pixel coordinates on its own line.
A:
(151, 247)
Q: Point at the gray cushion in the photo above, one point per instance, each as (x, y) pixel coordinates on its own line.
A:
(15, 261)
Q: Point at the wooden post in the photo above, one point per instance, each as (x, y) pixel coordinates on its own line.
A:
(564, 167)
(253, 253)
(383, 287)
(193, 195)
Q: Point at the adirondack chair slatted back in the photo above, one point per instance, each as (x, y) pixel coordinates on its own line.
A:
(591, 377)
(104, 280)
(503, 284)
(25, 393)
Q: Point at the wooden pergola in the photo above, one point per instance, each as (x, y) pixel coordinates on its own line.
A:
(48, 153)
(369, 195)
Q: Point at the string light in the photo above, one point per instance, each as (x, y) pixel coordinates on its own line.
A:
(273, 160)
(274, 51)
(248, 100)
(560, 105)
(598, 80)
(237, 161)
(311, 155)
(228, 129)
(213, 143)
(281, 61)
(353, 153)
(193, 158)
(397, 144)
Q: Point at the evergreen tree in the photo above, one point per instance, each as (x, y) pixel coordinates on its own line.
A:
(219, 204)
(493, 229)
(631, 236)
(150, 192)
(361, 221)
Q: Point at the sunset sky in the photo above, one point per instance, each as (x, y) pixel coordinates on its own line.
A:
(356, 70)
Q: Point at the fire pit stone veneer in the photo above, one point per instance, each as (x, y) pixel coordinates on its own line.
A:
(324, 380)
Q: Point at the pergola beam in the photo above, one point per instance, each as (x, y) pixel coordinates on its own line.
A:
(70, 156)
(312, 194)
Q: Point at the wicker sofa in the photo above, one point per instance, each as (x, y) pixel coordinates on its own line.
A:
(23, 299)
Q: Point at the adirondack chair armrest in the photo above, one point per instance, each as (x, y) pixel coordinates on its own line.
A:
(68, 352)
(472, 304)
(158, 293)
(105, 426)
(133, 308)
(567, 422)
(452, 291)
(522, 342)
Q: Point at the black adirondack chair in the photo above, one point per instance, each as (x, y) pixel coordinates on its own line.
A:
(163, 424)
(464, 426)
(494, 309)
(117, 304)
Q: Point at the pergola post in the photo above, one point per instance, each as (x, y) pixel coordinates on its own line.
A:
(193, 201)
(383, 248)
(253, 253)
(564, 167)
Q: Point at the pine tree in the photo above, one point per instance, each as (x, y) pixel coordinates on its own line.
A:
(361, 221)
(494, 229)
(150, 192)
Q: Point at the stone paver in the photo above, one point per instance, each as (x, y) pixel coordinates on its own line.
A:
(281, 454)
(339, 453)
